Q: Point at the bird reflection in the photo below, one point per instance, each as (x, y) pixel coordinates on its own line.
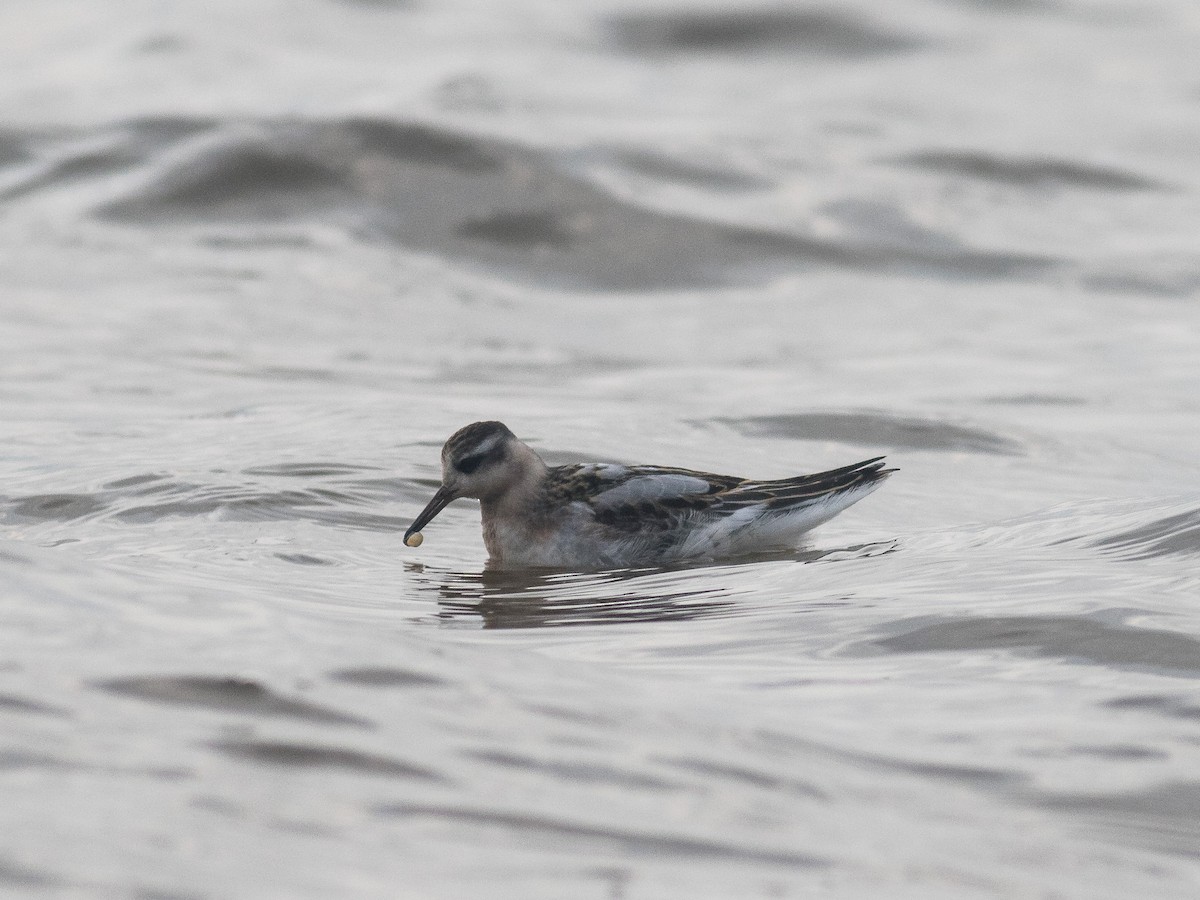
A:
(496, 598)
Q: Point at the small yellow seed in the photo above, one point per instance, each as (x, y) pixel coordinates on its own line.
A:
(414, 540)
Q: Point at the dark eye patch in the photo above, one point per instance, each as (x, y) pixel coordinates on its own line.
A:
(473, 461)
(469, 464)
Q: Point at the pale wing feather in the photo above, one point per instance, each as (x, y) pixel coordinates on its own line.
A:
(651, 487)
(607, 471)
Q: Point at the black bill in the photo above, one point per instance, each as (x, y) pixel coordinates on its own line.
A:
(432, 508)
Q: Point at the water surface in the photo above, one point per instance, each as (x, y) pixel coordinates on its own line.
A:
(258, 264)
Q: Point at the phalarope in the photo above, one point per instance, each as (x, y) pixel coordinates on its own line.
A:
(600, 515)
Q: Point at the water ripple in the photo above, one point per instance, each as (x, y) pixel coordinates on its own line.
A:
(490, 203)
(11, 703)
(226, 694)
(1069, 638)
(1168, 536)
(297, 755)
(16, 875)
(53, 507)
(827, 32)
(1163, 817)
(1032, 172)
(323, 492)
(576, 771)
(737, 773)
(622, 839)
(875, 429)
(379, 676)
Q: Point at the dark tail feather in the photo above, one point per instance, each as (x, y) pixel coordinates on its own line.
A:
(804, 487)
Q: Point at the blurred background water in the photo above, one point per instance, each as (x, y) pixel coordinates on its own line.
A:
(260, 258)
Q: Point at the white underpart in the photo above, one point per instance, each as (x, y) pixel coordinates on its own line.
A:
(755, 528)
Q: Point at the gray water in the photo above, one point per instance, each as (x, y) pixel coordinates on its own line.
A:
(258, 260)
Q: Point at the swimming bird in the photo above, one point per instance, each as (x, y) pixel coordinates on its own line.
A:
(606, 515)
